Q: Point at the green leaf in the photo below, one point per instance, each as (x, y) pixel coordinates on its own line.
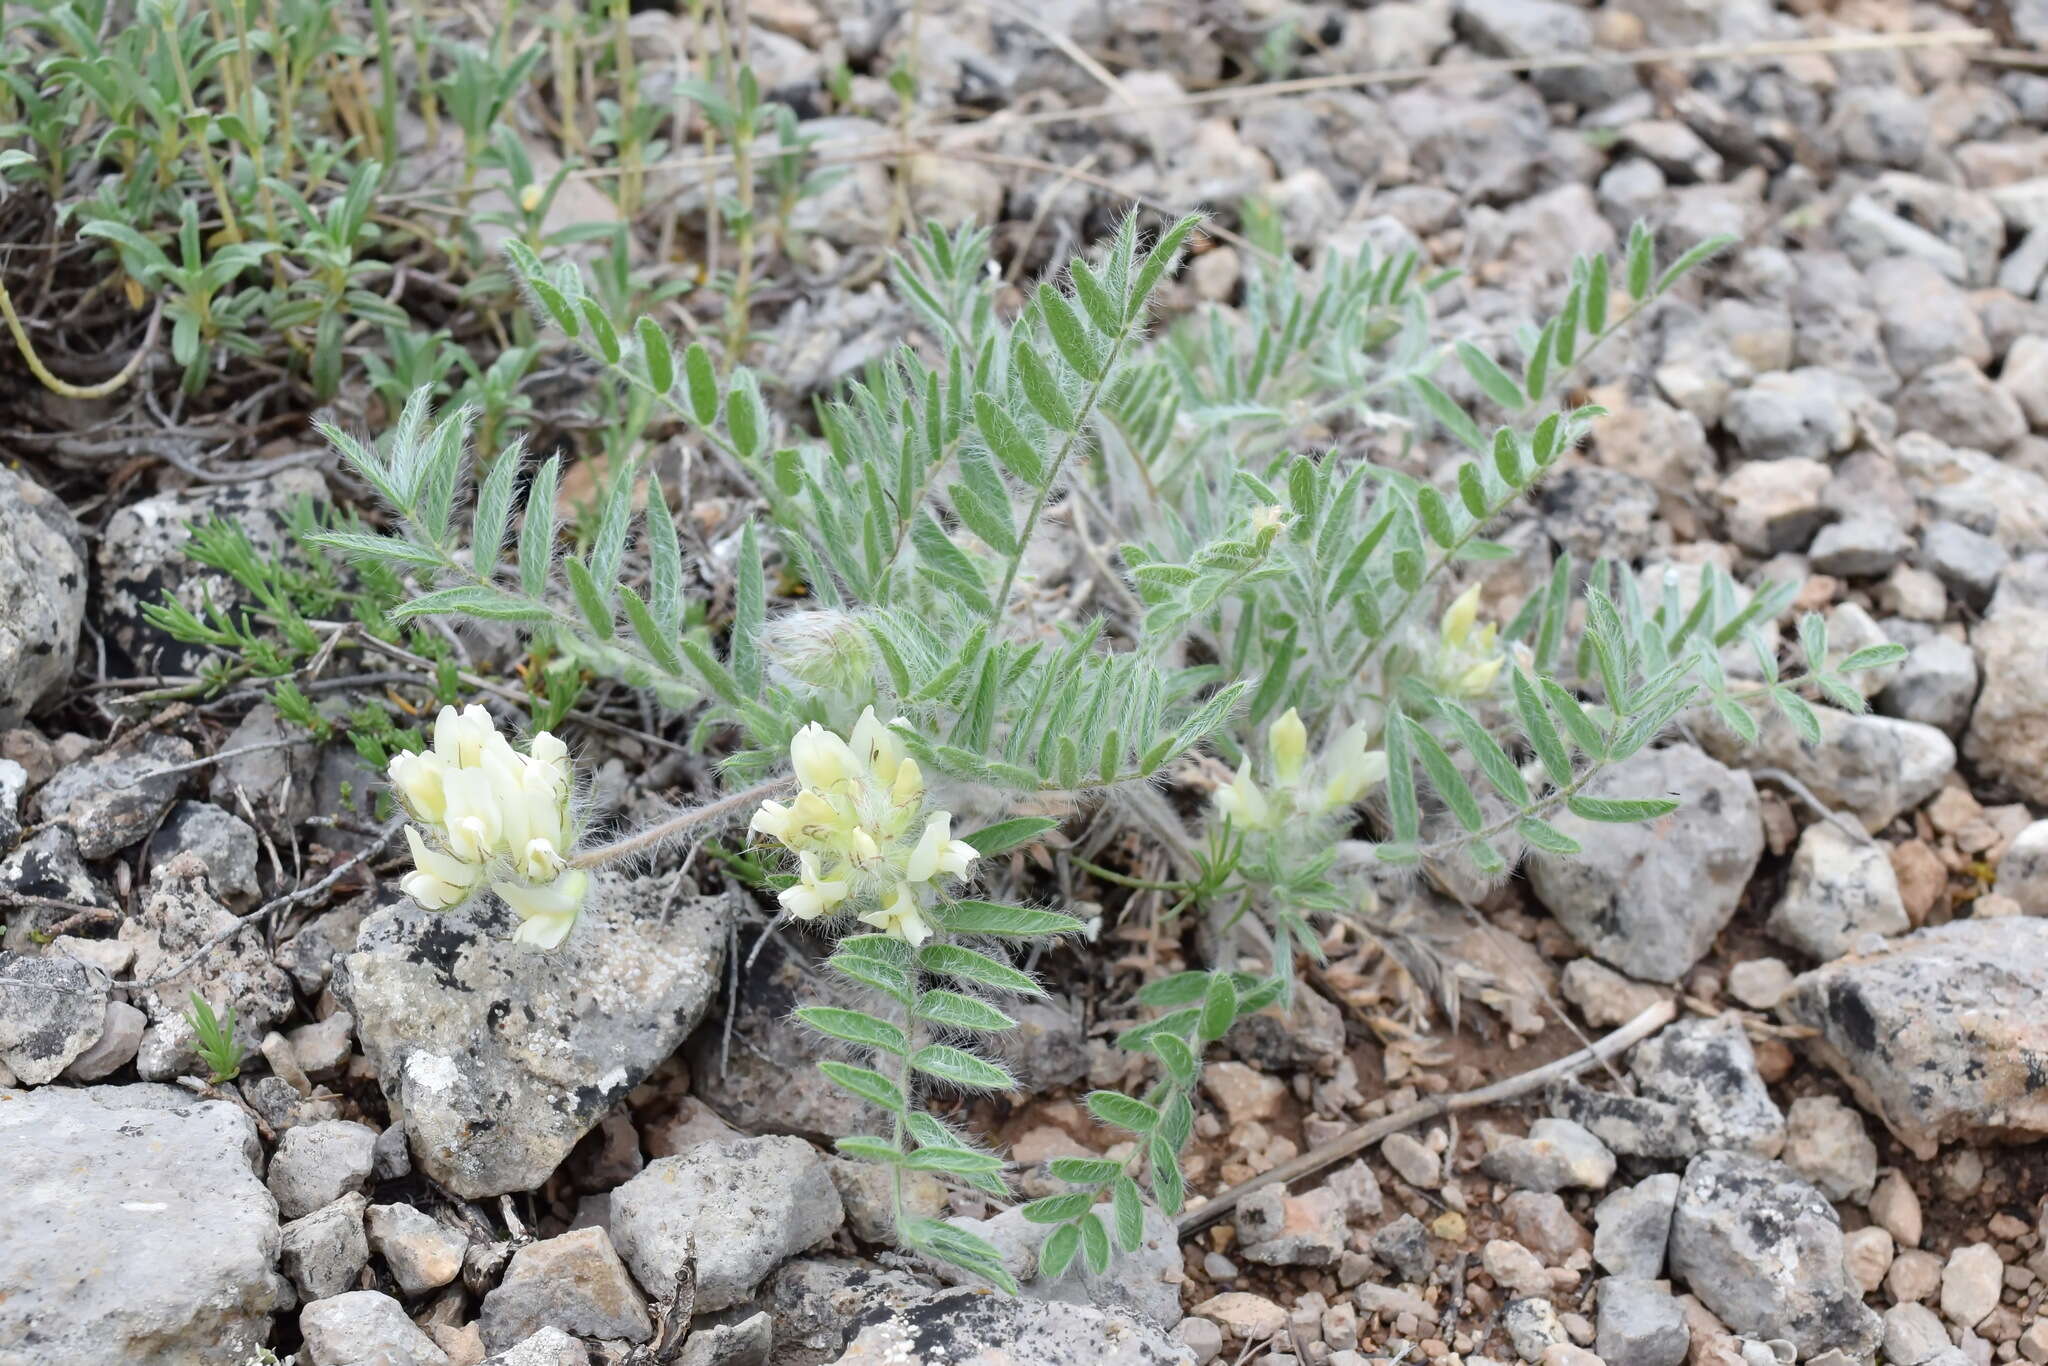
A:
(1445, 778)
(1596, 295)
(700, 378)
(888, 978)
(1455, 420)
(1015, 922)
(868, 1084)
(1122, 1111)
(1584, 733)
(955, 1011)
(1872, 657)
(870, 1148)
(1042, 388)
(1168, 1187)
(1007, 441)
(855, 1028)
(1472, 488)
(654, 349)
(588, 599)
(1493, 761)
(1102, 309)
(1058, 1252)
(1543, 835)
(1086, 1171)
(1642, 259)
(1094, 1243)
(1799, 713)
(602, 335)
(1179, 989)
(494, 508)
(1179, 1060)
(1404, 812)
(1157, 261)
(1130, 1213)
(1069, 334)
(537, 531)
(1219, 1008)
(1536, 373)
(472, 600)
(961, 1161)
(1491, 379)
(1436, 516)
(1057, 1209)
(743, 415)
(962, 1069)
(951, 960)
(1713, 246)
(649, 631)
(1007, 835)
(379, 549)
(1624, 812)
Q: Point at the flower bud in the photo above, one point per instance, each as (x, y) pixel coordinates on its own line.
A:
(1287, 741)
(825, 649)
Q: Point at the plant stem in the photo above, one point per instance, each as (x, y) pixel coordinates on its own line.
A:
(643, 840)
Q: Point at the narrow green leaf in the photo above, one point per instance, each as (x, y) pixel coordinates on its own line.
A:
(1436, 516)
(950, 960)
(854, 1027)
(1004, 836)
(993, 918)
(1130, 1213)
(1445, 778)
(1541, 834)
(537, 530)
(700, 378)
(473, 600)
(1157, 262)
(494, 508)
(1094, 1243)
(1042, 388)
(1536, 372)
(1057, 1209)
(865, 1082)
(1472, 489)
(648, 631)
(1007, 441)
(1678, 269)
(1493, 761)
(1799, 713)
(588, 600)
(1085, 1171)
(1615, 812)
(1163, 1171)
(1122, 1111)
(869, 1148)
(1596, 295)
(654, 350)
(1490, 378)
(1404, 812)
(1058, 1252)
(1179, 1060)
(743, 419)
(1455, 420)
(1642, 259)
(1219, 1008)
(1585, 734)
(1103, 310)
(1069, 334)
(1179, 989)
(1872, 657)
(959, 1161)
(951, 1009)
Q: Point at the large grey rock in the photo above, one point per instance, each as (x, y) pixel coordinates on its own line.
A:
(1936, 685)
(1957, 402)
(1928, 319)
(1640, 1324)
(137, 1230)
(1763, 1250)
(1840, 889)
(1556, 1154)
(1540, 28)
(325, 1251)
(121, 1029)
(423, 1253)
(1632, 1226)
(1940, 1032)
(2008, 735)
(113, 799)
(1707, 1069)
(818, 1301)
(1805, 414)
(2007, 502)
(1649, 898)
(222, 842)
(1491, 146)
(142, 555)
(1825, 1142)
(1873, 767)
(1146, 1283)
(277, 782)
(364, 1326)
(974, 1328)
(575, 1283)
(317, 1164)
(500, 1056)
(52, 1009)
(42, 596)
(739, 1208)
(2023, 871)
(553, 1347)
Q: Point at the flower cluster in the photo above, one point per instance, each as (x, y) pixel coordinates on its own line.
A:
(1469, 657)
(492, 815)
(860, 832)
(1344, 772)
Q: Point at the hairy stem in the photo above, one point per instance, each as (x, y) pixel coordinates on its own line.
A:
(643, 840)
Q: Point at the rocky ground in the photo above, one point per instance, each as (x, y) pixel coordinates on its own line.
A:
(440, 1154)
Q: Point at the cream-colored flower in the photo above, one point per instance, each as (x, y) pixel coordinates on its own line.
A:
(1243, 803)
(812, 895)
(900, 917)
(438, 880)
(821, 759)
(459, 737)
(773, 820)
(417, 777)
(473, 824)
(1287, 741)
(1353, 769)
(907, 787)
(877, 746)
(1459, 617)
(546, 913)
